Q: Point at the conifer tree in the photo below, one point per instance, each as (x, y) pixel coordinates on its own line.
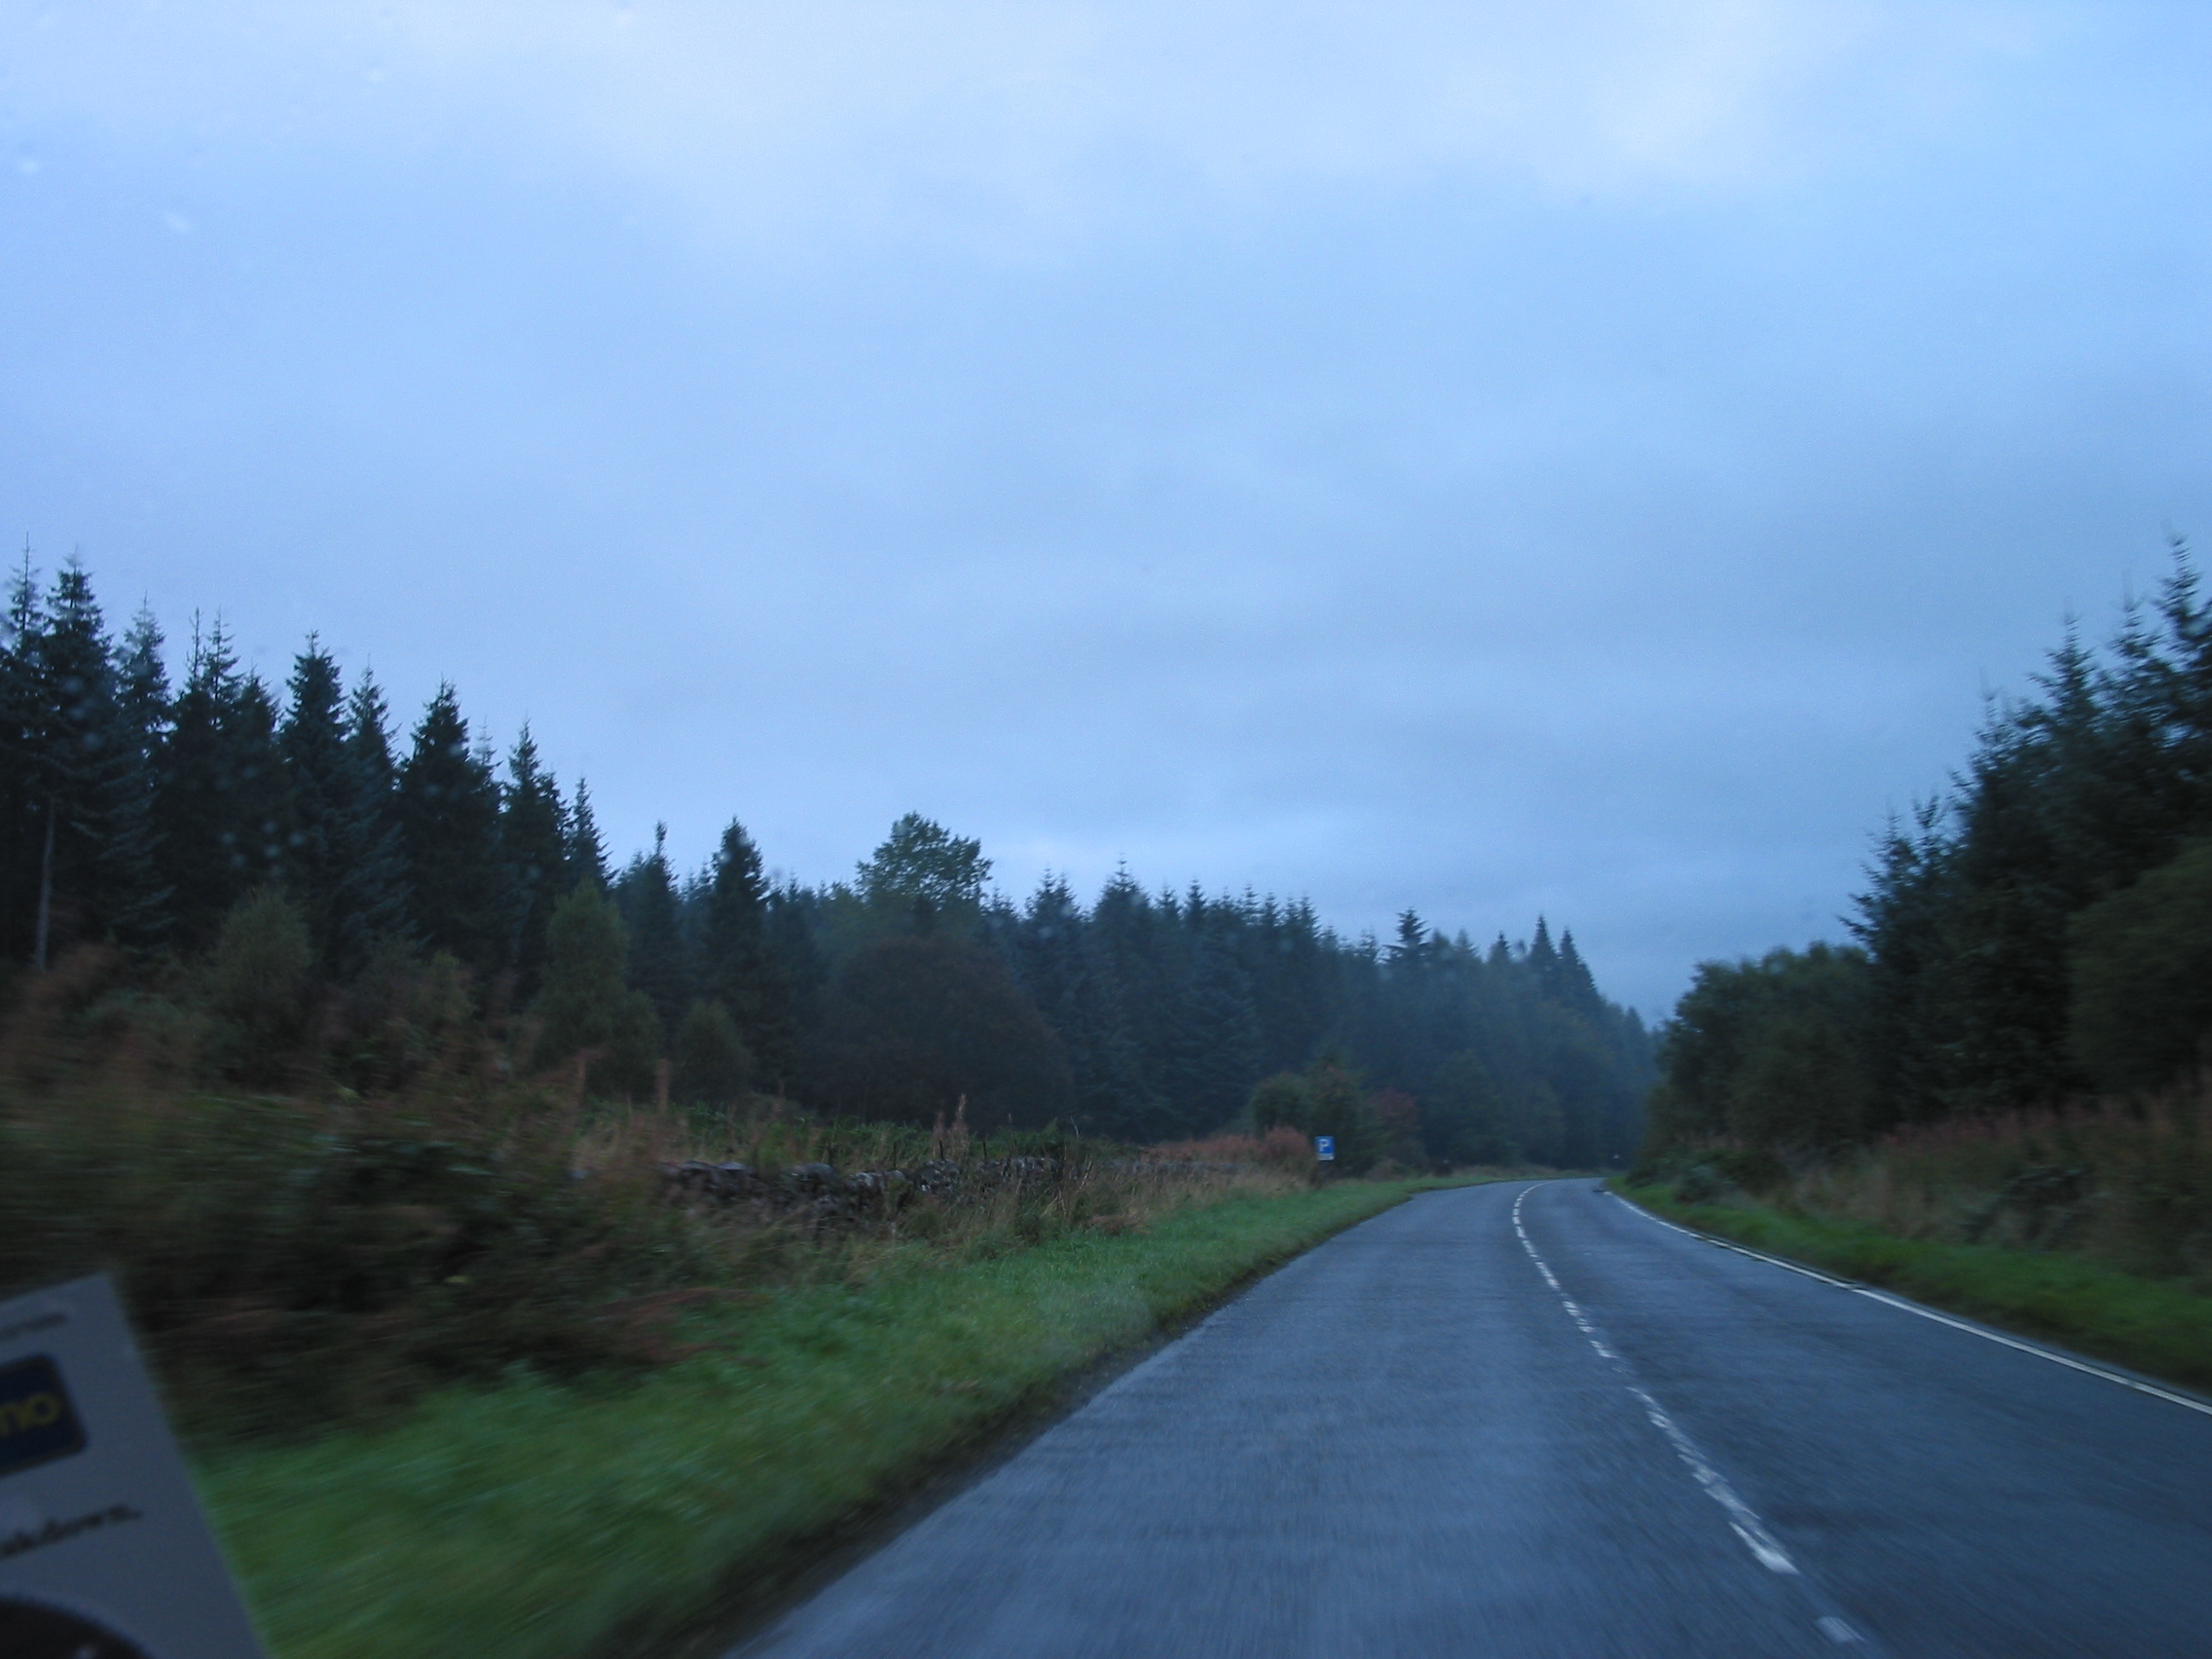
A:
(800, 964)
(1543, 961)
(313, 743)
(449, 828)
(222, 800)
(73, 764)
(21, 718)
(585, 852)
(1574, 986)
(138, 898)
(533, 842)
(737, 966)
(1217, 1044)
(371, 909)
(660, 963)
(1057, 962)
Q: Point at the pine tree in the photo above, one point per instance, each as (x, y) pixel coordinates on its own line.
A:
(1057, 963)
(660, 963)
(370, 909)
(1543, 961)
(21, 720)
(532, 843)
(74, 763)
(313, 743)
(585, 852)
(138, 902)
(736, 966)
(1294, 987)
(1217, 1042)
(449, 828)
(1574, 986)
(222, 801)
(798, 963)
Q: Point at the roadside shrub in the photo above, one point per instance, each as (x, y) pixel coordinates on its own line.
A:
(1702, 1184)
(260, 987)
(711, 1060)
(2128, 1183)
(289, 1262)
(584, 1009)
(1326, 1099)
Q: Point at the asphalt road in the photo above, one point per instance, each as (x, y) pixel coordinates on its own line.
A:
(1413, 1442)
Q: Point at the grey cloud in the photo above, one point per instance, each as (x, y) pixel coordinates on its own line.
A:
(1371, 516)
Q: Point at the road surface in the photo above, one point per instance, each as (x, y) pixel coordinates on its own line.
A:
(1529, 1420)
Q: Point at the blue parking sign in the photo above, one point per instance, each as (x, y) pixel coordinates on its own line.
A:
(1325, 1148)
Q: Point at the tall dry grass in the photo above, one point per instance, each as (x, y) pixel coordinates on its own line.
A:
(397, 1209)
(2127, 1182)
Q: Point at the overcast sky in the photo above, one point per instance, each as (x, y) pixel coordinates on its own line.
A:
(1586, 459)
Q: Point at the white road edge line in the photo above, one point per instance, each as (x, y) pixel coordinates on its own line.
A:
(1743, 1520)
(1898, 1301)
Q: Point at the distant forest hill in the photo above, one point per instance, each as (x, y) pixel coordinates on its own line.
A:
(174, 825)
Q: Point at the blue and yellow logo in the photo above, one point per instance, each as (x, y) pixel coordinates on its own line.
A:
(37, 1422)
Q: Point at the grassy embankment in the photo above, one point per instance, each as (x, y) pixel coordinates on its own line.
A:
(464, 1371)
(534, 1519)
(2091, 1229)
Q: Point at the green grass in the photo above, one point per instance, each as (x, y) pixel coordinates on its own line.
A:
(2158, 1328)
(535, 1520)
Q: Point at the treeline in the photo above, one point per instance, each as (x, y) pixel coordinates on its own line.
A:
(276, 848)
(2038, 933)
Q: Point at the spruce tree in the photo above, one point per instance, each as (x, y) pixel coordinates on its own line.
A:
(1217, 1042)
(1058, 964)
(222, 800)
(22, 719)
(1573, 985)
(313, 743)
(73, 764)
(533, 844)
(139, 897)
(583, 849)
(370, 909)
(652, 914)
(1543, 961)
(800, 964)
(449, 828)
(736, 965)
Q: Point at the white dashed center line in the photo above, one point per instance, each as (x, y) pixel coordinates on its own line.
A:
(1743, 1520)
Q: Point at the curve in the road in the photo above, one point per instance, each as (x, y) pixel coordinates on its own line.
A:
(1527, 1421)
(2127, 1379)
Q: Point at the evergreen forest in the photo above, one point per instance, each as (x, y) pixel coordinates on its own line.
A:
(267, 862)
(2035, 936)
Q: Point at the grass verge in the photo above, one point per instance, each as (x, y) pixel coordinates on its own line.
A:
(2158, 1328)
(541, 1520)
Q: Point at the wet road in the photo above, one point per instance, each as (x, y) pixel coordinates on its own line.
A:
(1529, 1420)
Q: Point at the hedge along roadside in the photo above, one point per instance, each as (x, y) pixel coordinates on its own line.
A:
(535, 1520)
(2149, 1325)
